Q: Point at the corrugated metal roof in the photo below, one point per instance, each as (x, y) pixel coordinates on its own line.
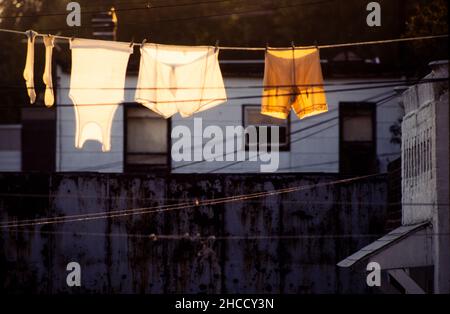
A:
(382, 243)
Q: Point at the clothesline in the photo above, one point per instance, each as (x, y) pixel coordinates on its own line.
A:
(108, 63)
(362, 43)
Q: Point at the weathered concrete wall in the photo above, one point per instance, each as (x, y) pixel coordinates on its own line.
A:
(256, 249)
(425, 157)
(424, 148)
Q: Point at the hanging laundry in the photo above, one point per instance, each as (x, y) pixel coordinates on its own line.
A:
(179, 79)
(49, 97)
(293, 79)
(97, 87)
(28, 72)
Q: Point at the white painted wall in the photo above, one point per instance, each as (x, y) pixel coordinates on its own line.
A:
(313, 150)
(10, 147)
(90, 157)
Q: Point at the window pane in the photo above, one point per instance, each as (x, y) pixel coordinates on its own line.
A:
(147, 135)
(357, 128)
(253, 116)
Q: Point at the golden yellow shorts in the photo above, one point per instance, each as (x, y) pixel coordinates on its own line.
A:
(293, 79)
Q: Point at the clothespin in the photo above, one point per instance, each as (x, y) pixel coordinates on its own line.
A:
(132, 42)
(267, 47)
(217, 46)
(52, 38)
(293, 45)
(143, 42)
(31, 34)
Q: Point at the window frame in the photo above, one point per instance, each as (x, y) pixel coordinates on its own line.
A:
(132, 168)
(348, 106)
(282, 148)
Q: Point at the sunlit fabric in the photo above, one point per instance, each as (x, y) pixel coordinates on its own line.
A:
(28, 72)
(293, 79)
(179, 79)
(97, 87)
(49, 98)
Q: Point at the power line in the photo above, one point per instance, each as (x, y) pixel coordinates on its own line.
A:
(200, 238)
(147, 6)
(376, 42)
(166, 208)
(155, 21)
(394, 84)
(290, 134)
(381, 102)
(99, 197)
(113, 164)
(325, 84)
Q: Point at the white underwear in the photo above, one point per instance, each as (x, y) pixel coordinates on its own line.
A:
(179, 79)
(97, 87)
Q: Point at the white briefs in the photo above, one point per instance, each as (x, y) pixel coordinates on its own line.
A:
(179, 79)
(97, 87)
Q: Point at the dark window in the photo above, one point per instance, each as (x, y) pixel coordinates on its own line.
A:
(146, 140)
(357, 154)
(252, 117)
(38, 139)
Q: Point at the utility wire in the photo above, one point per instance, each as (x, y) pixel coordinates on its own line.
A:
(197, 237)
(290, 134)
(325, 84)
(145, 7)
(167, 208)
(394, 84)
(379, 103)
(169, 20)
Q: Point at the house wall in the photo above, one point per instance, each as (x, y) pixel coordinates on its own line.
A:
(10, 147)
(425, 175)
(90, 157)
(285, 243)
(424, 134)
(316, 149)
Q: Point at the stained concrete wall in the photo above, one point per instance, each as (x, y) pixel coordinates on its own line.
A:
(425, 157)
(257, 248)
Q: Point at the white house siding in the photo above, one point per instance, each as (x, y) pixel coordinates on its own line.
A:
(10, 147)
(90, 157)
(313, 150)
